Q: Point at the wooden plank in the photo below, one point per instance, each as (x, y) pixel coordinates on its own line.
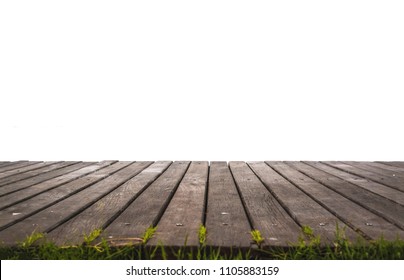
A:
(382, 190)
(16, 194)
(24, 169)
(379, 205)
(26, 208)
(17, 164)
(62, 168)
(51, 217)
(264, 211)
(6, 164)
(394, 169)
(147, 209)
(385, 180)
(375, 168)
(105, 210)
(354, 215)
(303, 209)
(393, 163)
(46, 167)
(184, 215)
(226, 222)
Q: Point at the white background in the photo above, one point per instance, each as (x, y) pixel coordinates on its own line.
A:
(201, 80)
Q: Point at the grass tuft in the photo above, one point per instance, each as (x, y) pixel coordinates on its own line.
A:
(308, 231)
(202, 235)
(307, 247)
(92, 236)
(30, 240)
(149, 234)
(257, 237)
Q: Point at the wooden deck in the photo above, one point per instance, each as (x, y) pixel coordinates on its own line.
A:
(67, 200)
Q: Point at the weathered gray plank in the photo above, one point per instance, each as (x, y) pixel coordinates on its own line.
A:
(369, 174)
(133, 196)
(74, 172)
(226, 223)
(301, 207)
(376, 168)
(24, 169)
(17, 164)
(102, 212)
(356, 216)
(26, 208)
(40, 168)
(393, 163)
(5, 163)
(394, 169)
(51, 217)
(382, 190)
(184, 215)
(62, 168)
(264, 211)
(147, 209)
(379, 205)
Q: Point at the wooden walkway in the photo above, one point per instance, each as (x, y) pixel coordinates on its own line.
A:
(67, 200)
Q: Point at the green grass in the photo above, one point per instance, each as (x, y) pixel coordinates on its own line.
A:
(149, 234)
(307, 231)
(202, 235)
(88, 239)
(30, 240)
(307, 247)
(380, 249)
(257, 237)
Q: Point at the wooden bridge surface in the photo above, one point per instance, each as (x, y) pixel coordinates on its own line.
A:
(67, 200)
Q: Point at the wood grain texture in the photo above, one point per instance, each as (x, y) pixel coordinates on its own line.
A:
(24, 170)
(106, 209)
(16, 165)
(393, 163)
(387, 180)
(43, 200)
(62, 168)
(367, 184)
(51, 217)
(379, 205)
(380, 169)
(147, 209)
(264, 211)
(183, 217)
(226, 223)
(301, 207)
(67, 200)
(65, 175)
(356, 216)
(385, 167)
(46, 167)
